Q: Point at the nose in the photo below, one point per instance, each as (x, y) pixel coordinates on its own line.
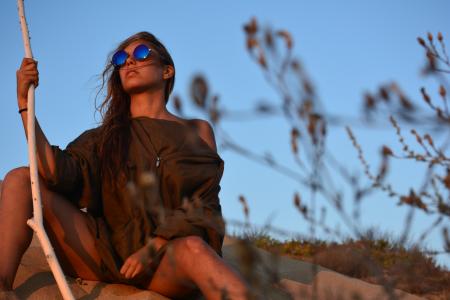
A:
(130, 61)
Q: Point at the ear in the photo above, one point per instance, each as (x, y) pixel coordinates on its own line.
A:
(168, 72)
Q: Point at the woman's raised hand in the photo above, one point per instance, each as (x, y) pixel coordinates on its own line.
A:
(26, 75)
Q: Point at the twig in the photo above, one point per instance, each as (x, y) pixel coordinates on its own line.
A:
(36, 222)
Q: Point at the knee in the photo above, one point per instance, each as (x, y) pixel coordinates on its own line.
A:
(192, 245)
(18, 182)
(17, 177)
(188, 251)
(16, 188)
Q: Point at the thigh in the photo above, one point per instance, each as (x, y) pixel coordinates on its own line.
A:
(69, 230)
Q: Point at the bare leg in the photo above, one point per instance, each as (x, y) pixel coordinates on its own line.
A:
(65, 224)
(188, 263)
(191, 262)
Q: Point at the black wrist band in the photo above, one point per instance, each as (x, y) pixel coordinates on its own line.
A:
(22, 110)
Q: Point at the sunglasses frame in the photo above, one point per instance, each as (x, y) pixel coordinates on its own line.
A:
(122, 55)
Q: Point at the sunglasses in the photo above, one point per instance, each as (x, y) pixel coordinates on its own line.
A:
(140, 53)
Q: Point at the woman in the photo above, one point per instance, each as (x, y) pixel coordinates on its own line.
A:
(148, 179)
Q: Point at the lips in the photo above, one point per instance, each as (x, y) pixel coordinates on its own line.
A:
(130, 72)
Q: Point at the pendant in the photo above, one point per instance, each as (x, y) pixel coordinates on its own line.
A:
(158, 159)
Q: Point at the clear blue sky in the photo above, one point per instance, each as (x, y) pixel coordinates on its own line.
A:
(348, 47)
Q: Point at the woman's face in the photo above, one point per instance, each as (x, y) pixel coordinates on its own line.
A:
(139, 76)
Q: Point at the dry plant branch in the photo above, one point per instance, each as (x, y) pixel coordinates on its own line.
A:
(36, 223)
(316, 167)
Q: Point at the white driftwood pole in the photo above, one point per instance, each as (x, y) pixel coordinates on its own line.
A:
(36, 222)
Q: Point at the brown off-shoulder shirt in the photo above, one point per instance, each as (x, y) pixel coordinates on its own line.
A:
(170, 189)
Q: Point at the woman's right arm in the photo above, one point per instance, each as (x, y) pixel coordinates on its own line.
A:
(28, 74)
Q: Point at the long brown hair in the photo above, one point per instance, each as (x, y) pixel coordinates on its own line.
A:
(115, 136)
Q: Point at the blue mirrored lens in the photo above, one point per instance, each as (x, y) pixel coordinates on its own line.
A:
(119, 58)
(141, 52)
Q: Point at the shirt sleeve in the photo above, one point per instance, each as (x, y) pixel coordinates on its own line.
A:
(76, 174)
(200, 215)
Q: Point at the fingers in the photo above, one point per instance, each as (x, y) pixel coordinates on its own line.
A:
(125, 267)
(29, 68)
(31, 76)
(28, 61)
(26, 75)
(131, 268)
(130, 271)
(137, 270)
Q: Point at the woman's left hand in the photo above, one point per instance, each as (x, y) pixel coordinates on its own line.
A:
(136, 263)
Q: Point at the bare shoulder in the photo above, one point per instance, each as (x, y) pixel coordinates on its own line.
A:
(205, 131)
(202, 127)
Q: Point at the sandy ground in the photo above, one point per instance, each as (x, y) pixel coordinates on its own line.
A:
(276, 276)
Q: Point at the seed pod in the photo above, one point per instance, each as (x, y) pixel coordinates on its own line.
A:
(268, 38)
(447, 179)
(386, 151)
(302, 208)
(147, 179)
(425, 96)
(431, 60)
(369, 101)
(421, 41)
(297, 201)
(251, 43)
(252, 27)
(295, 64)
(428, 138)
(442, 91)
(384, 94)
(199, 91)
(294, 137)
(244, 204)
(262, 60)
(214, 115)
(418, 138)
(439, 113)
(406, 103)
(307, 85)
(287, 38)
(413, 200)
(177, 104)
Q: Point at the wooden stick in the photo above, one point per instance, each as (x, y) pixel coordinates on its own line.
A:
(36, 222)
